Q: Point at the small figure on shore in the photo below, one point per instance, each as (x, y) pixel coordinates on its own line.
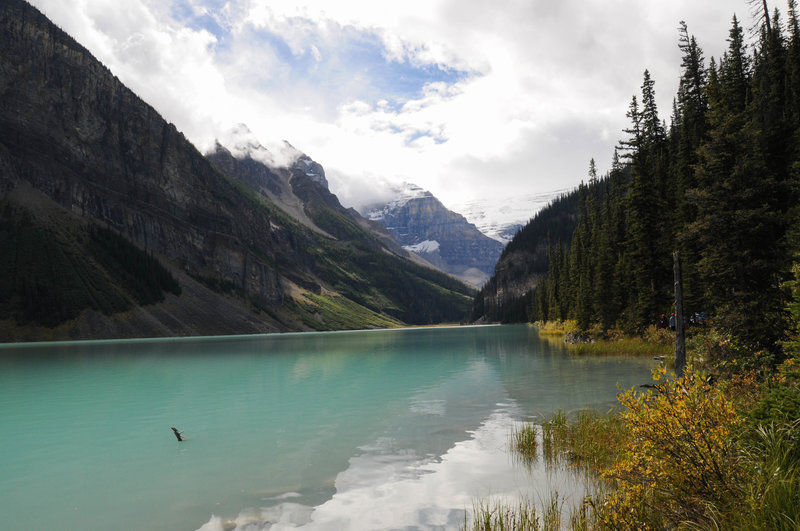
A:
(177, 434)
(662, 321)
(672, 322)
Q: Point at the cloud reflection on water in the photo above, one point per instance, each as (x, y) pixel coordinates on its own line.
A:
(392, 488)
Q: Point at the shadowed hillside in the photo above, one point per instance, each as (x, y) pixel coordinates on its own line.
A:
(81, 156)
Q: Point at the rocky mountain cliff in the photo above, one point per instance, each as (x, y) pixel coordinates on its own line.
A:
(444, 238)
(81, 153)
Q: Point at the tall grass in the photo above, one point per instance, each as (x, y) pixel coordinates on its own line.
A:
(525, 441)
(771, 499)
(596, 342)
(552, 327)
(555, 438)
(626, 346)
(591, 441)
(499, 516)
(586, 440)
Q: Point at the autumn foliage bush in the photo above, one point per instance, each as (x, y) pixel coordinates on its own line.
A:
(680, 457)
(689, 453)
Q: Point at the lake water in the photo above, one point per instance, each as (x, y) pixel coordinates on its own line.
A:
(394, 429)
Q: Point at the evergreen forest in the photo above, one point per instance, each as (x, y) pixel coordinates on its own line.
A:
(718, 186)
(717, 194)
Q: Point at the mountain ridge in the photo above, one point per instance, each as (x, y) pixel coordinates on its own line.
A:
(100, 156)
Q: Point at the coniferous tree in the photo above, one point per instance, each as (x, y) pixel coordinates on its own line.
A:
(793, 73)
(581, 261)
(768, 98)
(605, 309)
(630, 147)
(644, 211)
(565, 300)
(738, 228)
(692, 107)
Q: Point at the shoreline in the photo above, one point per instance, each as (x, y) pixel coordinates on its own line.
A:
(221, 337)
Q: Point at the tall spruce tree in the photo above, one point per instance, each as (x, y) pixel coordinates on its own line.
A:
(646, 152)
(692, 106)
(605, 307)
(793, 72)
(580, 265)
(739, 227)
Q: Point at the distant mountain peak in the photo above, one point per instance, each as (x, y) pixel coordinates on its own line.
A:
(401, 194)
(423, 225)
(501, 218)
(312, 170)
(242, 143)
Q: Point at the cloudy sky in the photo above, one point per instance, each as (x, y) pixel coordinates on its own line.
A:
(466, 98)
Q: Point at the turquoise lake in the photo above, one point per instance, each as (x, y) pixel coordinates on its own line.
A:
(391, 429)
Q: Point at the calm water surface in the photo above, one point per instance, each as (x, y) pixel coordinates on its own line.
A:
(350, 430)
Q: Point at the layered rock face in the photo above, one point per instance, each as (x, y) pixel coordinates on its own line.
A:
(71, 131)
(423, 225)
(85, 140)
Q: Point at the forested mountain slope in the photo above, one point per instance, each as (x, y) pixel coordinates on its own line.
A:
(718, 185)
(524, 260)
(115, 225)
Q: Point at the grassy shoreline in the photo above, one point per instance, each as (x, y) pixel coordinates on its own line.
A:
(689, 453)
(654, 342)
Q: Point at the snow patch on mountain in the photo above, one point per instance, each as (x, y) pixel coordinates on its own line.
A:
(423, 225)
(312, 169)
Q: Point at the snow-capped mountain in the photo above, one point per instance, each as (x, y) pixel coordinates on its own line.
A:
(312, 169)
(501, 219)
(242, 143)
(401, 195)
(444, 238)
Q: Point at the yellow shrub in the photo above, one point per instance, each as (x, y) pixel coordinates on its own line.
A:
(659, 336)
(680, 454)
(571, 327)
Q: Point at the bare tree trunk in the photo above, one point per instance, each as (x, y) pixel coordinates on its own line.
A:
(680, 338)
(754, 7)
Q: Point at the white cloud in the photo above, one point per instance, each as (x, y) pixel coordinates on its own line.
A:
(545, 84)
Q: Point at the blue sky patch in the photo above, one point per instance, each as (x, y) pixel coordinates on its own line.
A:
(352, 63)
(416, 135)
(183, 12)
(364, 53)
